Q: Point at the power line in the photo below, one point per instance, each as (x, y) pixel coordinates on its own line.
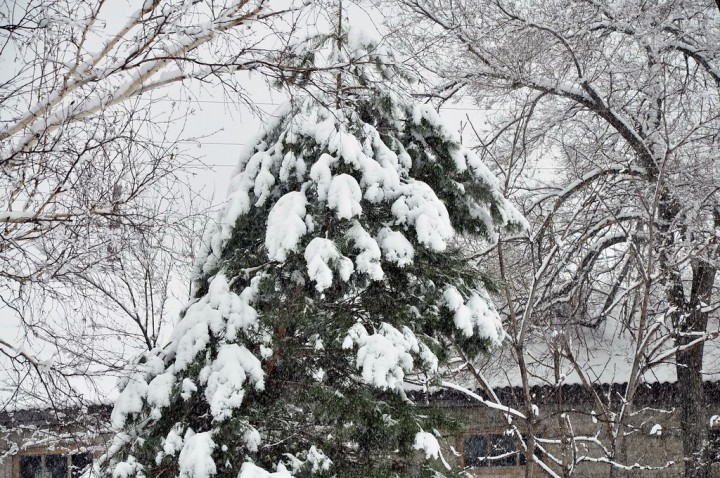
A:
(212, 102)
(223, 165)
(210, 143)
(262, 103)
(542, 168)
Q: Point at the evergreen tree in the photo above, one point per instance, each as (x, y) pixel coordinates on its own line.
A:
(330, 279)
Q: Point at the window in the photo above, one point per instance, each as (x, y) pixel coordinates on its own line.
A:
(493, 450)
(53, 465)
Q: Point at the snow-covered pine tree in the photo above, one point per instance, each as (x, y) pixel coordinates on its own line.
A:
(330, 279)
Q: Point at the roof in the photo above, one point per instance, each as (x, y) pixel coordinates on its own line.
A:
(53, 417)
(651, 393)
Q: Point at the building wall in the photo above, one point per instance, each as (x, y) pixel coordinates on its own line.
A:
(663, 451)
(47, 432)
(40, 432)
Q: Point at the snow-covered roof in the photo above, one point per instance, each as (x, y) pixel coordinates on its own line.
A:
(571, 394)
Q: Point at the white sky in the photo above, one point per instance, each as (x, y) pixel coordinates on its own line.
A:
(230, 129)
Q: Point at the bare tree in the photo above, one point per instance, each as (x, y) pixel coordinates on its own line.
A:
(95, 232)
(553, 336)
(618, 96)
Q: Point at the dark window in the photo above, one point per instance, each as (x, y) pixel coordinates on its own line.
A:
(492, 450)
(54, 465)
(79, 462)
(474, 450)
(31, 466)
(502, 447)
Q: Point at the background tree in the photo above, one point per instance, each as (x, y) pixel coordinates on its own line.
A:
(94, 208)
(330, 279)
(617, 96)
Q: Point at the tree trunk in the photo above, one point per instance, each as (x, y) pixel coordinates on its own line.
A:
(692, 405)
(689, 374)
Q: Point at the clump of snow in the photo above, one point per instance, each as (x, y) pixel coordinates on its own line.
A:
(129, 401)
(127, 468)
(315, 457)
(266, 352)
(318, 460)
(395, 246)
(240, 314)
(251, 470)
(368, 260)
(463, 320)
(159, 391)
(286, 225)
(264, 180)
(220, 311)
(321, 174)
(379, 361)
(229, 371)
(485, 317)
(419, 206)
(386, 355)
(426, 112)
(291, 162)
(320, 254)
(360, 40)
(252, 439)
(195, 460)
(428, 443)
(428, 358)
(453, 299)
(714, 421)
(474, 316)
(483, 173)
(656, 430)
(187, 388)
(344, 196)
(345, 145)
(318, 374)
(173, 442)
(194, 338)
(481, 212)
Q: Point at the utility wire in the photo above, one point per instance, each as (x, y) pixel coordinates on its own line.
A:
(261, 103)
